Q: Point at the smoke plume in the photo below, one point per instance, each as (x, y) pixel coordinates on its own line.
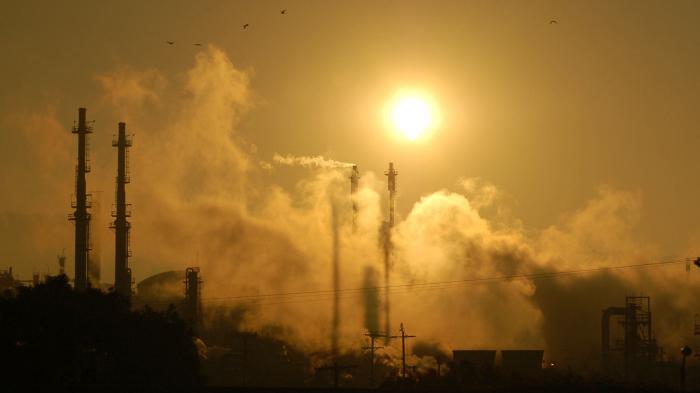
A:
(309, 161)
(258, 245)
(370, 282)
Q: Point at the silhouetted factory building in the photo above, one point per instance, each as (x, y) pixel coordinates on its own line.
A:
(8, 280)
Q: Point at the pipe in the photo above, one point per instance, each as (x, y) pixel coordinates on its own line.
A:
(605, 331)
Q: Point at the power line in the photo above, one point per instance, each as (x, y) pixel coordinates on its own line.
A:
(462, 281)
(322, 295)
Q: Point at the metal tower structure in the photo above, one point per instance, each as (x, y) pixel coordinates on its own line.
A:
(638, 345)
(94, 268)
(122, 252)
(391, 177)
(81, 204)
(62, 263)
(193, 296)
(386, 229)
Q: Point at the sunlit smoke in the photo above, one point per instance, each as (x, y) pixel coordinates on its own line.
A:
(191, 193)
(309, 161)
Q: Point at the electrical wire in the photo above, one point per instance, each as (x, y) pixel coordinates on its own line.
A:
(279, 298)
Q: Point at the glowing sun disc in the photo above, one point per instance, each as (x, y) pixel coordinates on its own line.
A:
(412, 115)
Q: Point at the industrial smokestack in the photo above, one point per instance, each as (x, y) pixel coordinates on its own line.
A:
(193, 293)
(335, 324)
(81, 204)
(95, 257)
(62, 263)
(122, 272)
(386, 229)
(391, 177)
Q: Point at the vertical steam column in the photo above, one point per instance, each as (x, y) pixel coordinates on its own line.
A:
(122, 272)
(391, 177)
(81, 216)
(354, 179)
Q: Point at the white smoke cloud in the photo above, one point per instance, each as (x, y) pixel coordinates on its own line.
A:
(129, 89)
(309, 161)
(191, 195)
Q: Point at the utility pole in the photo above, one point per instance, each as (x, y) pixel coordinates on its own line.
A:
(403, 338)
(372, 349)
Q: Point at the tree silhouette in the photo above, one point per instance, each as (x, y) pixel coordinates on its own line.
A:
(52, 335)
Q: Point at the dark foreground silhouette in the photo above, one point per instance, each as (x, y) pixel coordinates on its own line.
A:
(53, 336)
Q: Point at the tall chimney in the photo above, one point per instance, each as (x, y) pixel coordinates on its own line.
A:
(94, 268)
(62, 263)
(391, 177)
(122, 272)
(193, 294)
(386, 229)
(81, 204)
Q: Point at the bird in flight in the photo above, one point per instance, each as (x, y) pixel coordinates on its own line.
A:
(553, 22)
(284, 11)
(197, 44)
(245, 26)
(170, 42)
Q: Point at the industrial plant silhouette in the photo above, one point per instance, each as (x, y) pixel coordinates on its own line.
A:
(81, 333)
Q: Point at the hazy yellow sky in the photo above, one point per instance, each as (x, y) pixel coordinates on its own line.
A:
(608, 96)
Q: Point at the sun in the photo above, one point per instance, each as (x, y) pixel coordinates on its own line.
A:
(412, 115)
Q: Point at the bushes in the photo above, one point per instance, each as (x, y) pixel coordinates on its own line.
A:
(52, 335)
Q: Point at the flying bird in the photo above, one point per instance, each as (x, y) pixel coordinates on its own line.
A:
(245, 26)
(553, 22)
(197, 44)
(284, 11)
(170, 42)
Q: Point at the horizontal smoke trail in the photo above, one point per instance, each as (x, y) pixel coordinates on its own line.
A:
(309, 161)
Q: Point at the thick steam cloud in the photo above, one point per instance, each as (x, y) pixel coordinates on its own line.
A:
(193, 203)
